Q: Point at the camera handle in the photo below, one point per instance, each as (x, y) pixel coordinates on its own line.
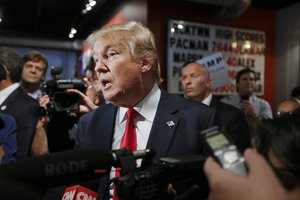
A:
(125, 159)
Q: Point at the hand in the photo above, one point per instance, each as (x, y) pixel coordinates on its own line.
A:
(44, 100)
(87, 103)
(44, 119)
(260, 184)
(248, 108)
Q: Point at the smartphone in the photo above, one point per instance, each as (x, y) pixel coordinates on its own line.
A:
(224, 151)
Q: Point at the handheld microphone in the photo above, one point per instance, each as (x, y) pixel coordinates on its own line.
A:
(79, 192)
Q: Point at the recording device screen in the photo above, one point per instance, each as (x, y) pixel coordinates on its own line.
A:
(224, 151)
(217, 141)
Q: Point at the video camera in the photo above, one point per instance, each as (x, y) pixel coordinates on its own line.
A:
(60, 99)
(185, 173)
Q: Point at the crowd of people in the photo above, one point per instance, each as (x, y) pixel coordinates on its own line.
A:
(128, 75)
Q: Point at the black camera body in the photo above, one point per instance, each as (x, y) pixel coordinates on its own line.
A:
(183, 172)
(60, 99)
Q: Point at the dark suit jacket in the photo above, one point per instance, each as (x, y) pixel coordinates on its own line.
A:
(95, 129)
(234, 122)
(25, 111)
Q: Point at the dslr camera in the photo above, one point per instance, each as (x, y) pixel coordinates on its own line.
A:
(60, 99)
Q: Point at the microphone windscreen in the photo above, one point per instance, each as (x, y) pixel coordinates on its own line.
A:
(67, 167)
(79, 192)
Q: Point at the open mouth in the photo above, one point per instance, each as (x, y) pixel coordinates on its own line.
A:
(106, 84)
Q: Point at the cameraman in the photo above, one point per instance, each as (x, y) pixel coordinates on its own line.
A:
(35, 66)
(60, 125)
(33, 73)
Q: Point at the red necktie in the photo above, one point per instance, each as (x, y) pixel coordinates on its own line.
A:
(129, 138)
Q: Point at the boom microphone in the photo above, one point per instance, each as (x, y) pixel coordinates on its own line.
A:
(67, 167)
(60, 168)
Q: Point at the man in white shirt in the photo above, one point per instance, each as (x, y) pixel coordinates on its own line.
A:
(127, 66)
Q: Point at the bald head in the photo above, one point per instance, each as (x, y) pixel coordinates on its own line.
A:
(287, 105)
(195, 80)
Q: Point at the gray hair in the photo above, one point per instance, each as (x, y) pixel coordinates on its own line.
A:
(13, 62)
(140, 41)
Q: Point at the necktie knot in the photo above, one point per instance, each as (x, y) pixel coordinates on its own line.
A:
(131, 114)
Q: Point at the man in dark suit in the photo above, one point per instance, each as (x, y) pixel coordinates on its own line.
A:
(196, 83)
(126, 63)
(15, 102)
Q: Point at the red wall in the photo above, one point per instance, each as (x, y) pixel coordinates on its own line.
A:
(257, 19)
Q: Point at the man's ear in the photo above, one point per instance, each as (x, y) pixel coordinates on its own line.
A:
(3, 72)
(146, 64)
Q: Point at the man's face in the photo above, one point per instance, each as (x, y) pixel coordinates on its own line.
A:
(195, 81)
(118, 73)
(33, 72)
(246, 85)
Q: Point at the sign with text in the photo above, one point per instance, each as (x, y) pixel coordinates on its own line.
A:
(240, 48)
(217, 69)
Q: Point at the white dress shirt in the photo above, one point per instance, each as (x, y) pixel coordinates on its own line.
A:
(7, 91)
(143, 122)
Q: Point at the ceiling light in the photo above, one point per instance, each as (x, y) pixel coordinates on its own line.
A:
(88, 7)
(73, 31)
(71, 35)
(180, 26)
(92, 3)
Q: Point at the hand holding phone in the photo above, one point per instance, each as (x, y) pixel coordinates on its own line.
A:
(224, 151)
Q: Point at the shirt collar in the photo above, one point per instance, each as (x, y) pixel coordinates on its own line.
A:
(36, 94)
(7, 91)
(207, 100)
(147, 107)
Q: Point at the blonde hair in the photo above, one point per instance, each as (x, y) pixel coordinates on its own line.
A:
(140, 41)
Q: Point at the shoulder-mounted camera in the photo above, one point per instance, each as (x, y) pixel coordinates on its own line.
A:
(60, 99)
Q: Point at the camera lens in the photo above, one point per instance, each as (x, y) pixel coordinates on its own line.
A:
(64, 101)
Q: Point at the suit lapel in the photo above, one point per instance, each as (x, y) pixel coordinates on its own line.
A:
(104, 130)
(7, 103)
(164, 126)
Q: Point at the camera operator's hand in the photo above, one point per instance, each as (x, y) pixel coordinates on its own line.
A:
(44, 100)
(40, 142)
(260, 184)
(44, 118)
(87, 104)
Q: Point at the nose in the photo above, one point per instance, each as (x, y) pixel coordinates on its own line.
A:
(187, 80)
(101, 67)
(33, 69)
